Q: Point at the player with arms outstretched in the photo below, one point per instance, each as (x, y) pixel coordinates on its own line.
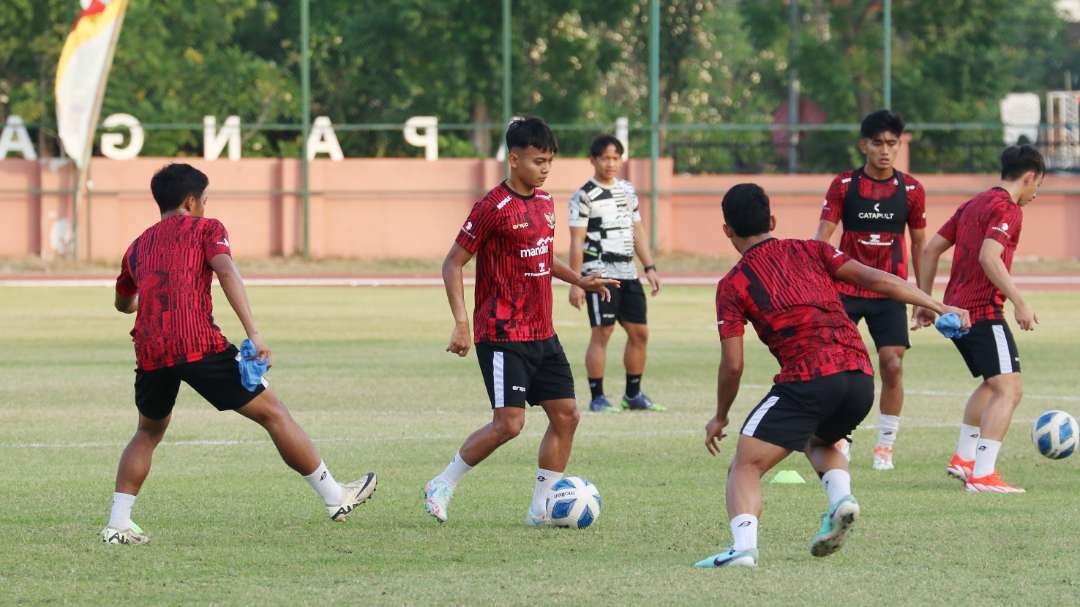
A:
(825, 386)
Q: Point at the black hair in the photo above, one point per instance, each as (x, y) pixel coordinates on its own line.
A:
(533, 131)
(173, 183)
(1019, 159)
(601, 143)
(746, 209)
(880, 121)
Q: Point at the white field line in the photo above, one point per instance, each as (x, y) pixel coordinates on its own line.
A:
(392, 281)
(437, 437)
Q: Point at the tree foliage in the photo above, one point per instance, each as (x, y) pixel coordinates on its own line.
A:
(723, 62)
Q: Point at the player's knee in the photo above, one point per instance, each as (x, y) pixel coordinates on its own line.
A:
(748, 464)
(569, 419)
(602, 334)
(272, 414)
(638, 336)
(1008, 389)
(152, 435)
(508, 428)
(892, 369)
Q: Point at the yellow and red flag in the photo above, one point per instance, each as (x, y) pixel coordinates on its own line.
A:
(82, 73)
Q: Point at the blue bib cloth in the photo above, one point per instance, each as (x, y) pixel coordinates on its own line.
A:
(949, 325)
(251, 368)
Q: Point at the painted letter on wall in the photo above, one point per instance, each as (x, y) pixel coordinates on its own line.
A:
(322, 140)
(229, 135)
(111, 142)
(15, 138)
(428, 139)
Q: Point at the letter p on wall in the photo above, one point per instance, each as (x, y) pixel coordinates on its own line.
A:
(428, 139)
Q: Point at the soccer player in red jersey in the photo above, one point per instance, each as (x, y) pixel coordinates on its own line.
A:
(511, 232)
(986, 231)
(165, 278)
(825, 386)
(875, 204)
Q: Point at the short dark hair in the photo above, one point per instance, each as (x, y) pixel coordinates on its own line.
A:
(746, 209)
(173, 183)
(533, 131)
(601, 143)
(1019, 159)
(880, 121)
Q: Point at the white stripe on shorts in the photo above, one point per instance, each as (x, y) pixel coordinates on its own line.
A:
(763, 408)
(497, 374)
(1004, 356)
(596, 307)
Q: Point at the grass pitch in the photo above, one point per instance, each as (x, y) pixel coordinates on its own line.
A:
(365, 372)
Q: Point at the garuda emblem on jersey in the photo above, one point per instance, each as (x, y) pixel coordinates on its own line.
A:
(550, 219)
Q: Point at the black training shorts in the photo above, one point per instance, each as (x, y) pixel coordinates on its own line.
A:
(216, 377)
(627, 304)
(828, 407)
(525, 371)
(887, 319)
(989, 349)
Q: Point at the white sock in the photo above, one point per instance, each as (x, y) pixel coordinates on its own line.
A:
(453, 472)
(544, 480)
(888, 426)
(837, 483)
(324, 484)
(969, 439)
(744, 532)
(120, 517)
(986, 457)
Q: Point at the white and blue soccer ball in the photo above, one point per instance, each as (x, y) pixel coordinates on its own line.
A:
(573, 502)
(1055, 434)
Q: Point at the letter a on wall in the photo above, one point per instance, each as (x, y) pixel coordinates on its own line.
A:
(322, 140)
(15, 138)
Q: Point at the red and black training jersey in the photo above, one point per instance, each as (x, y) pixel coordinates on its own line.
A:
(786, 289)
(874, 216)
(512, 237)
(168, 266)
(994, 215)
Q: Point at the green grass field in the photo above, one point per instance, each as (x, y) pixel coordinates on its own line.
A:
(365, 372)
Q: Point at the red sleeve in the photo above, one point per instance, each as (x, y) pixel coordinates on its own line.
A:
(831, 257)
(479, 225)
(1005, 224)
(125, 282)
(916, 218)
(833, 209)
(729, 314)
(215, 240)
(948, 231)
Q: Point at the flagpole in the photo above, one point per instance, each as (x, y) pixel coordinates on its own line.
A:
(83, 164)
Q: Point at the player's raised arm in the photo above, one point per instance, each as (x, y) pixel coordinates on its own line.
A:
(895, 288)
(452, 274)
(599, 284)
(990, 260)
(233, 285)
